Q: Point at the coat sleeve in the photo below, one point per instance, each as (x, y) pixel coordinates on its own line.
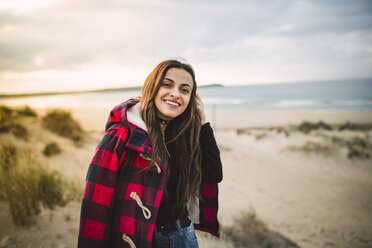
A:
(211, 160)
(97, 202)
(212, 175)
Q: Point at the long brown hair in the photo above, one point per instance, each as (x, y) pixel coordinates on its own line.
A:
(184, 133)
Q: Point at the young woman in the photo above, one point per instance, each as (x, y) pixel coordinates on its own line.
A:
(154, 175)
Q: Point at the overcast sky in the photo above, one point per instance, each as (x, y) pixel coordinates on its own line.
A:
(48, 45)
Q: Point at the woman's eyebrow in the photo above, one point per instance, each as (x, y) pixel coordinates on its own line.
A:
(184, 84)
(169, 79)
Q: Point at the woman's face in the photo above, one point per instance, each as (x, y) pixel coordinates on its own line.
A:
(174, 94)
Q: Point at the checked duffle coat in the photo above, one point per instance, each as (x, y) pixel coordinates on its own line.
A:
(122, 197)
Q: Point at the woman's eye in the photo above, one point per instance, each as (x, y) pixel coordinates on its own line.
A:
(166, 84)
(185, 90)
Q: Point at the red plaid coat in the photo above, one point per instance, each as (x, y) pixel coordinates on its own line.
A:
(121, 199)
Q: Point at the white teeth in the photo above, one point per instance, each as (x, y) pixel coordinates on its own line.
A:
(172, 103)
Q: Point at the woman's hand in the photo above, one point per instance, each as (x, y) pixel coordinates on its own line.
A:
(200, 108)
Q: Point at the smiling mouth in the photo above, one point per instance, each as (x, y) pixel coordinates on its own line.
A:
(171, 103)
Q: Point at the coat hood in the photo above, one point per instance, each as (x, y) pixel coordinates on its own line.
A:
(127, 113)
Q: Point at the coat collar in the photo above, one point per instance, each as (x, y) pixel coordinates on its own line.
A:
(128, 114)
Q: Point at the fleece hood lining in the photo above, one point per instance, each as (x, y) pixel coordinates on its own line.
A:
(134, 116)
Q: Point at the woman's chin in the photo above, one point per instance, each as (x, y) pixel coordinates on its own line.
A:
(169, 115)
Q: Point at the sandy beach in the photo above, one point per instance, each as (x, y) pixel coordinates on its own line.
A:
(313, 199)
(95, 119)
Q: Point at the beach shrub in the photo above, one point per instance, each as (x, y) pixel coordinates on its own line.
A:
(6, 118)
(224, 148)
(348, 126)
(50, 189)
(5, 111)
(19, 131)
(9, 120)
(357, 141)
(51, 149)
(9, 114)
(27, 185)
(26, 111)
(73, 191)
(8, 159)
(260, 136)
(312, 147)
(8, 156)
(355, 152)
(306, 127)
(338, 141)
(323, 125)
(249, 231)
(240, 131)
(355, 127)
(61, 122)
(21, 193)
(357, 148)
(282, 130)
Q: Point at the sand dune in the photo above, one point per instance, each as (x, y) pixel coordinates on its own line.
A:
(313, 199)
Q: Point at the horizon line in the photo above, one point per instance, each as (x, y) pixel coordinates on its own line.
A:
(133, 88)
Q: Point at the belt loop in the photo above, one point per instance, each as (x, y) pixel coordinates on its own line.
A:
(178, 224)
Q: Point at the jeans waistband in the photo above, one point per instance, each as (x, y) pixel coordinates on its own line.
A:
(174, 226)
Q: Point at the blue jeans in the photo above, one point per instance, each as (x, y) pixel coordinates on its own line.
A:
(182, 238)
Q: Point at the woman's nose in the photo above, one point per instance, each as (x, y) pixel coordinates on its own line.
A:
(174, 93)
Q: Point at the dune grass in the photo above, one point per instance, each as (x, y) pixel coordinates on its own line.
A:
(260, 136)
(283, 130)
(26, 111)
(358, 147)
(51, 149)
(355, 127)
(6, 119)
(50, 188)
(8, 156)
(11, 120)
(312, 147)
(10, 114)
(28, 186)
(249, 231)
(240, 131)
(19, 131)
(58, 121)
(306, 126)
(61, 122)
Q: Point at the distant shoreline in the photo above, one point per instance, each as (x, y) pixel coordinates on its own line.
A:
(37, 94)
(68, 92)
(324, 97)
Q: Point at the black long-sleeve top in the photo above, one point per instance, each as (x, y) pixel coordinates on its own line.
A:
(211, 173)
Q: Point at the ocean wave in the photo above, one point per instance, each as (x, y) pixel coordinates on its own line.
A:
(354, 103)
(296, 103)
(220, 100)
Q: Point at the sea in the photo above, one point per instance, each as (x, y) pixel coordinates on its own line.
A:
(350, 95)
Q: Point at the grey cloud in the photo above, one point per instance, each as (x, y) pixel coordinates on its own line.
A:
(319, 17)
(67, 37)
(72, 33)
